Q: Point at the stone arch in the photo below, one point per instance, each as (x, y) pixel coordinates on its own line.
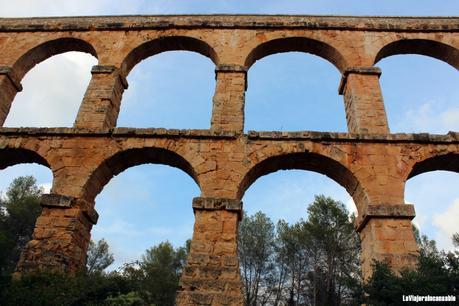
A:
(163, 44)
(47, 49)
(11, 157)
(435, 49)
(306, 161)
(300, 44)
(446, 162)
(31, 58)
(123, 160)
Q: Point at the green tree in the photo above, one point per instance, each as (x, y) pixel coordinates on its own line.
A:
(19, 210)
(49, 288)
(292, 253)
(426, 245)
(437, 273)
(256, 253)
(159, 273)
(99, 256)
(312, 262)
(335, 250)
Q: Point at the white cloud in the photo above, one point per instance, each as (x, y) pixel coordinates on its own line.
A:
(52, 92)
(447, 223)
(351, 207)
(450, 119)
(433, 194)
(46, 187)
(428, 118)
(420, 220)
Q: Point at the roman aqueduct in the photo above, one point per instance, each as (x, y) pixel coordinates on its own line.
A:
(369, 162)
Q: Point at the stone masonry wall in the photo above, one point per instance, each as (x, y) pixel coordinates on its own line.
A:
(369, 162)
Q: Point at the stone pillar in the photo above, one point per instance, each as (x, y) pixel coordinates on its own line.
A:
(9, 86)
(229, 98)
(212, 275)
(102, 100)
(61, 236)
(363, 101)
(386, 234)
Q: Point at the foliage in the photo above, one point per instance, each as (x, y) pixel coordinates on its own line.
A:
(129, 299)
(311, 262)
(437, 273)
(162, 266)
(48, 288)
(156, 276)
(19, 210)
(335, 252)
(98, 256)
(152, 281)
(256, 251)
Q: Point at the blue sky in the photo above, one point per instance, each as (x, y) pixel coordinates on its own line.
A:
(290, 91)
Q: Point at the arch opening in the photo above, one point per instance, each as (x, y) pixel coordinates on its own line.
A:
(162, 44)
(420, 93)
(444, 162)
(169, 90)
(48, 49)
(286, 194)
(432, 188)
(142, 207)
(294, 91)
(300, 44)
(293, 217)
(52, 90)
(123, 160)
(24, 177)
(426, 47)
(310, 162)
(10, 157)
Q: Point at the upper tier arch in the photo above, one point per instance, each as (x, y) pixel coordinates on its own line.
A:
(446, 162)
(432, 48)
(169, 43)
(300, 44)
(47, 49)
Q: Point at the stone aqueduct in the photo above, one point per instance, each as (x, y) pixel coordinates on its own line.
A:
(370, 162)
